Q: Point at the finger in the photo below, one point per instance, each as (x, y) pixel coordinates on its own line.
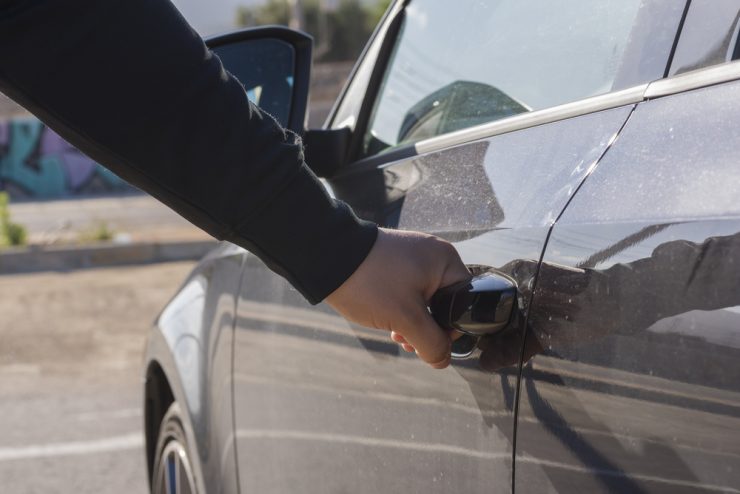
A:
(431, 343)
(455, 271)
(440, 364)
(397, 337)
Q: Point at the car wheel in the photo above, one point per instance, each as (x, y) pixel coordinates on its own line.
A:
(172, 466)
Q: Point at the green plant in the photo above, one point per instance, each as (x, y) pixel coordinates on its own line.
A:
(100, 233)
(10, 233)
(16, 234)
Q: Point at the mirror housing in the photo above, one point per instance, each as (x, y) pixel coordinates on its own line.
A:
(273, 63)
(277, 61)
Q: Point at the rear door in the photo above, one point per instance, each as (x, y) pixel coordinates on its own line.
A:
(636, 315)
(473, 121)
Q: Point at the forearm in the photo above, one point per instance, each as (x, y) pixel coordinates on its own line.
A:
(130, 84)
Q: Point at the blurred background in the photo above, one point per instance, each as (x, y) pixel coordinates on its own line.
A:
(87, 261)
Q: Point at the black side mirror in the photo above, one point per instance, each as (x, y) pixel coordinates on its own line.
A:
(273, 63)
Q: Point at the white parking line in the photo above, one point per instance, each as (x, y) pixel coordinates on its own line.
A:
(115, 443)
(107, 415)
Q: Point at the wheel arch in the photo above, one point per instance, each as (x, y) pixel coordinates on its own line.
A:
(158, 397)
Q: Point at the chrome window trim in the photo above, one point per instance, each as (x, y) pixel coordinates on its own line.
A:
(696, 79)
(532, 119)
(663, 87)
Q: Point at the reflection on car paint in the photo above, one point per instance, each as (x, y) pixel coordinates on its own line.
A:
(634, 350)
(196, 327)
(331, 391)
(631, 380)
(298, 362)
(181, 323)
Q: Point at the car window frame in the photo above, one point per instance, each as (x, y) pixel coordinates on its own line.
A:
(373, 62)
(377, 55)
(365, 69)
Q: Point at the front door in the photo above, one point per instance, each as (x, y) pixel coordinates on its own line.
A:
(333, 407)
(322, 406)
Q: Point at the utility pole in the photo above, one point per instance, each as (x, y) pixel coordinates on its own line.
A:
(297, 21)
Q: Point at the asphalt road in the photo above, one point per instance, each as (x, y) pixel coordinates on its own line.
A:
(71, 347)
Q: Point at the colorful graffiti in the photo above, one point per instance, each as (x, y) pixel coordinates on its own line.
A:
(35, 162)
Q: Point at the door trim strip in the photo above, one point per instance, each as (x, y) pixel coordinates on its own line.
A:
(663, 87)
(532, 119)
(693, 80)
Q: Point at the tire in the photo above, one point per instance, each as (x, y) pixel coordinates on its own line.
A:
(173, 471)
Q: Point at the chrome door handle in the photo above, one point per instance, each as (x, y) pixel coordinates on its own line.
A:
(479, 307)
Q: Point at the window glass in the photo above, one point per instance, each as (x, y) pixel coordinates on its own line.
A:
(468, 62)
(708, 36)
(265, 68)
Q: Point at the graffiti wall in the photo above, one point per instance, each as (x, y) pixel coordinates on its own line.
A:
(36, 163)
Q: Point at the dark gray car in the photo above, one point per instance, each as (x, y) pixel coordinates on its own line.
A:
(588, 151)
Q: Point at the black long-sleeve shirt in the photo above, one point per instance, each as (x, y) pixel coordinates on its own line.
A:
(132, 85)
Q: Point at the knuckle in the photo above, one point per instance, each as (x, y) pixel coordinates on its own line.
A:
(448, 250)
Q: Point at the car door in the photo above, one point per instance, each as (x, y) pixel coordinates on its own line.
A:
(635, 321)
(467, 123)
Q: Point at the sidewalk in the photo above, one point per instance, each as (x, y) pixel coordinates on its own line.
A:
(136, 218)
(143, 231)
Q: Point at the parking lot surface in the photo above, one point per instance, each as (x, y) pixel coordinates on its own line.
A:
(71, 349)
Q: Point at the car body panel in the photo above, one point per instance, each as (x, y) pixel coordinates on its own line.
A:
(192, 343)
(311, 388)
(637, 313)
(333, 407)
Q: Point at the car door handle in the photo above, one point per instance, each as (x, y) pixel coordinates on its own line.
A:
(479, 307)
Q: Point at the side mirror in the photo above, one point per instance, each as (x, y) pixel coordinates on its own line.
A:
(273, 63)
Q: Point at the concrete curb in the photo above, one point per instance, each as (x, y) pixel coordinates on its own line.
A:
(33, 259)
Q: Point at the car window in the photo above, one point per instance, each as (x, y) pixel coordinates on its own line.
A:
(468, 62)
(709, 36)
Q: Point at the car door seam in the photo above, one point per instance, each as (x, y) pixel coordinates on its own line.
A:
(517, 393)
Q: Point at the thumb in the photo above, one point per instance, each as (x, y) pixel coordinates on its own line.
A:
(454, 271)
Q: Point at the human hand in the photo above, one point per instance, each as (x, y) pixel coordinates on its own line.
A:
(391, 290)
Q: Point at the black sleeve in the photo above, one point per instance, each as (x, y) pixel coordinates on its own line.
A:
(133, 86)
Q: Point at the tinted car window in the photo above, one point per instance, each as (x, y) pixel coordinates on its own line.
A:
(463, 63)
